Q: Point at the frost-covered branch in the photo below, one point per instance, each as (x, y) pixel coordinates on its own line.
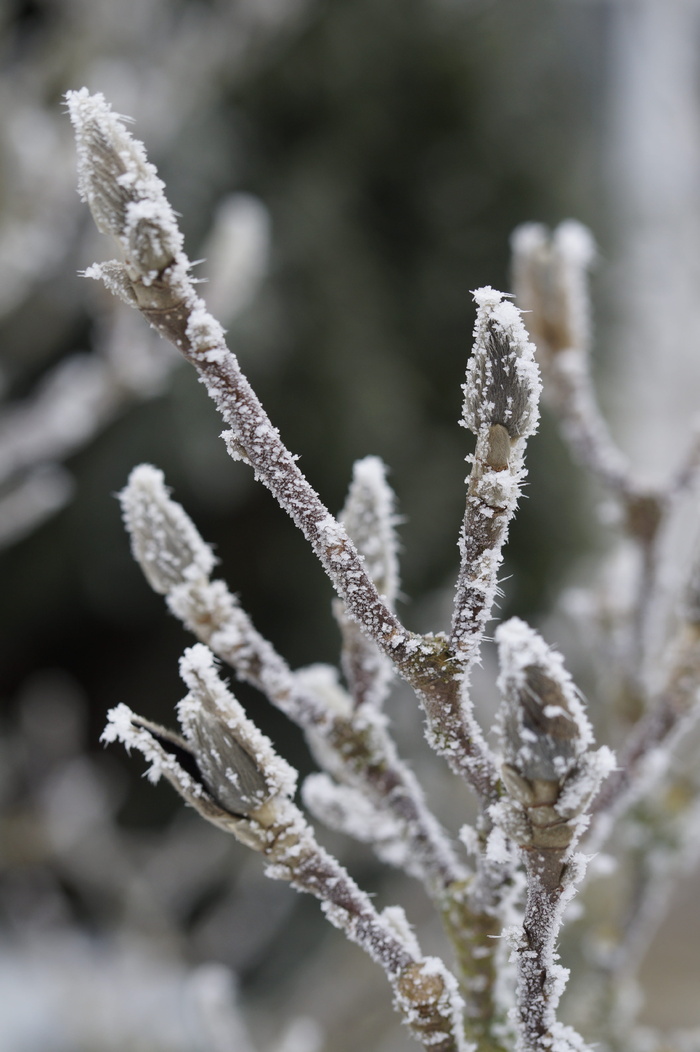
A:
(649, 745)
(354, 745)
(551, 280)
(551, 774)
(127, 200)
(228, 771)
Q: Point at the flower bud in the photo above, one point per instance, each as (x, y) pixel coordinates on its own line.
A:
(122, 187)
(164, 541)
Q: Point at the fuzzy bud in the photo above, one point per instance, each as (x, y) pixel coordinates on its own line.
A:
(224, 767)
(370, 520)
(239, 766)
(549, 769)
(503, 386)
(122, 187)
(164, 541)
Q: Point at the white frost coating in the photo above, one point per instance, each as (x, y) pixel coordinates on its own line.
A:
(164, 540)
(551, 282)
(529, 239)
(208, 692)
(451, 1005)
(370, 519)
(497, 847)
(566, 1039)
(592, 770)
(122, 187)
(470, 838)
(575, 243)
(205, 333)
(503, 383)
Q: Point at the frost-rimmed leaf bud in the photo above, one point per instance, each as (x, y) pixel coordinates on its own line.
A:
(503, 384)
(164, 541)
(223, 766)
(550, 770)
(122, 187)
(238, 763)
(369, 518)
(501, 397)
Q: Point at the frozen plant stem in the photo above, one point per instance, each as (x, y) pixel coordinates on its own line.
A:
(356, 745)
(228, 771)
(177, 563)
(127, 201)
(550, 274)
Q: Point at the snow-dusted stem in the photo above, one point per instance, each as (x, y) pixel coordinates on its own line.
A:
(127, 201)
(550, 274)
(370, 520)
(551, 773)
(539, 977)
(177, 563)
(424, 991)
(228, 772)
